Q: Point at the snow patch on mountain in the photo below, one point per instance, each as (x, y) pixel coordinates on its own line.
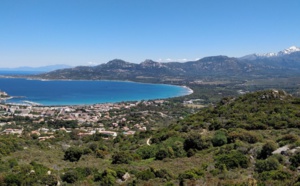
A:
(290, 50)
(287, 51)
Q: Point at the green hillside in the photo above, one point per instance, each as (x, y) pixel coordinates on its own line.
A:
(230, 143)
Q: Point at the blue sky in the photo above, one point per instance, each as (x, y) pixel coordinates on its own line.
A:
(83, 32)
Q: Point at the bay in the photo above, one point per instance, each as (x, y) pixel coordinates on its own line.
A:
(59, 92)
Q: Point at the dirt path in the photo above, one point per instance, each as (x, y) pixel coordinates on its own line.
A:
(148, 141)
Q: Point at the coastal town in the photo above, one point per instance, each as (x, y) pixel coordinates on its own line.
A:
(109, 119)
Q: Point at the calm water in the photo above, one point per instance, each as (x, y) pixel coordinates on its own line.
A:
(85, 92)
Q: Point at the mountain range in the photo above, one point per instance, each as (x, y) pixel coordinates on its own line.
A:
(285, 59)
(37, 69)
(286, 62)
(282, 53)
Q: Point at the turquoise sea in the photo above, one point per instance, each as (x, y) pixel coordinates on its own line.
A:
(85, 92)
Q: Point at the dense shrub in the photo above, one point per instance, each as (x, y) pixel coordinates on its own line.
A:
(161, 154)
(13, 179)
(73, 154)
(191, 174)
(9, 144)
(244, 135)
(121, 157)
(120, 171)
(107, 177)
(267, 149)
(62, 123)
(219, 138)
(295, 160)
(84, 172)
(274, 175)
(288, 139)
(178, 149)
(196, 141)
(49, 180)
(146, 175)
(101, 153)
(12, 162)
(93, 146)
(163, 136)
(39, 169)
(266, 165)
(163, 173)
(147, 152)
(231, 160)
(70, 177)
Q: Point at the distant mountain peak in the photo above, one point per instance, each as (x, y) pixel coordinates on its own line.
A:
(215, 58)
(290, 50)
(294, 48)
(148, 61)
(284, 52)
(114, 61)
(151, 63)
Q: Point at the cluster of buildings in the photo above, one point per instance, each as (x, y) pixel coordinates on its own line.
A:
(107, 119)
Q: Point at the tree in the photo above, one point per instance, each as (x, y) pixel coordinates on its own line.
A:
(73, 154)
